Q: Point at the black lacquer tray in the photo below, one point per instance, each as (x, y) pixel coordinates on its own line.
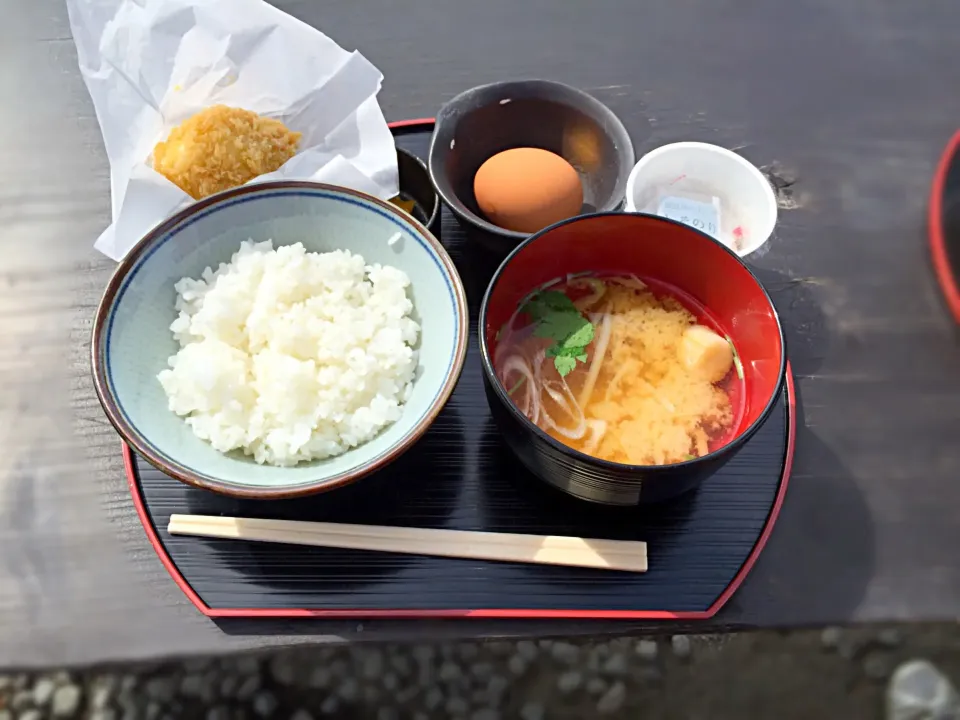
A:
(461, 476)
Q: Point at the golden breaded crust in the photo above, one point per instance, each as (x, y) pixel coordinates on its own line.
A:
(221, 148)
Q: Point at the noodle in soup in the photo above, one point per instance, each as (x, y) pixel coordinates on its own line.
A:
(609, 367)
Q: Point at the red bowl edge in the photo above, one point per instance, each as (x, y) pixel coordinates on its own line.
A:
(746, 428)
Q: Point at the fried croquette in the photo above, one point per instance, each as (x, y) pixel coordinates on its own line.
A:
(221, 148)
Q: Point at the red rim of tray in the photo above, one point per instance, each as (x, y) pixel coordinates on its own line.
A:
(938, 243)
(129, 464)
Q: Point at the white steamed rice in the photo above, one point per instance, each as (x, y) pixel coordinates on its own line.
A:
(291, 356)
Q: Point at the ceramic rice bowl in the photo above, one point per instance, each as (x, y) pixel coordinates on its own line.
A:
(132, 339)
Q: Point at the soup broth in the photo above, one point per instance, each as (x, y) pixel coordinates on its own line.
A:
(622, 369)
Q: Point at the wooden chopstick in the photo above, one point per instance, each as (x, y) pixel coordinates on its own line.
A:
(627, 555)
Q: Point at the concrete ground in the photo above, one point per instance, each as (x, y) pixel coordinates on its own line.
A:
(801, 675)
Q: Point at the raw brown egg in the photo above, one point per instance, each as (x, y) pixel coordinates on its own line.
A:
(526, 189)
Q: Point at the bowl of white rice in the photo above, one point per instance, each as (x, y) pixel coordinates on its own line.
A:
(280, 339)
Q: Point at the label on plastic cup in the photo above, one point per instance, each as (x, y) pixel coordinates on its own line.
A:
(704, 216)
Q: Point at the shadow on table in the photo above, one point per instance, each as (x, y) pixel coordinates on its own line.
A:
(820, 556)
(513, 500)
(419, 489)
(476, 266)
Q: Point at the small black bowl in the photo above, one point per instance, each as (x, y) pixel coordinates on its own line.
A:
(415, 185)
(489, 119)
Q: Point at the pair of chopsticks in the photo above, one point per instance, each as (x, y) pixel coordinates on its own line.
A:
(630, 556)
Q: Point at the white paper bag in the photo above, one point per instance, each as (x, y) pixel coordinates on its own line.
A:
(150, 64)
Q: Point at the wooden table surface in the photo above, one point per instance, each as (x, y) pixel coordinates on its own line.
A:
(852, 101)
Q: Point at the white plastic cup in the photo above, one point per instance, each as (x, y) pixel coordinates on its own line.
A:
(747, 205)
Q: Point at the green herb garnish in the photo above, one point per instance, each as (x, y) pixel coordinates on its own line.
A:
(516, 387)
(558, 319)
(689, 457)
(736, 358)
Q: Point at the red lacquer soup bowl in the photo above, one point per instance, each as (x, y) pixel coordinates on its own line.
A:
(672, 258)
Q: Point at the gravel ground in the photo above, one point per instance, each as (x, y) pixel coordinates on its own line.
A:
(892, 673)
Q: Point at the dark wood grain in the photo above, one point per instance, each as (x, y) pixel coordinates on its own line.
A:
(852, 100)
